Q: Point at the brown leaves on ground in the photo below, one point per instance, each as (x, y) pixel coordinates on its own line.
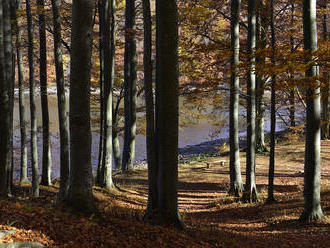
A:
(212, 218)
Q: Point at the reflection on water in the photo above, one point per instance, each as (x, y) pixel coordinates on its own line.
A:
(195, 131)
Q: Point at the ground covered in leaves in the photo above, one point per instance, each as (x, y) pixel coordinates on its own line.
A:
(211, 217)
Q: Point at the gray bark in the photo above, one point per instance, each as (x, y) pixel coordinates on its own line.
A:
(130, 87)
(3, 113)
(46, 150)
(101, 52)
(80, 195)
(152, 204)
(6, 88)
(61, 102)
(34, 145)
(261, 79)
(271, 198)
(312, 170)
(250, 193)
(236, 184)
(115, 136)
(108, 42)
(21, 101)
(167, 110)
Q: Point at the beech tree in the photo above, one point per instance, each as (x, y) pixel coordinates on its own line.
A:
(80, 195)
(62, 102)
(312, 169)
(108, 45)
(236, 184)
(271, 198)
(129, 86)
(46, 151)
(34, 141)
(250, 193)
(21, 88)
(152, 204)
(167, 110)
(6, 91)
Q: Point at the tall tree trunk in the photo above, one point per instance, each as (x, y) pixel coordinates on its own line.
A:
(101, 51)
(34, 142)
(61, 102)
(21, 101)
(12, 30)
(80, 195)
(292, 95)
(152, 204)
(250, 193)
(46, 151)
(325, 132)
(236, 184)
(261, 79)
(312, 170)
(108, 37)
(6, 85)
(130, 87)
(271, 198)
(167, 110)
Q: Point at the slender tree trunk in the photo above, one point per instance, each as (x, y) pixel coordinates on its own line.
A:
(46, 151)
(261, 79)
(312, 170)
(108, 37)
(167, 110)
(61, 103)
(21, 101)
(34, 145)
(115, 136)
(130, 87)
(325, 132)
(101, 144)
(292, 95)
(6, 95)
(152, 204)
(80, 195)
(271, 198)
(236, 184)
(250, 193)
(12, 30)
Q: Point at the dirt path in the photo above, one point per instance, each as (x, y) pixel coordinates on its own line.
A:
(212, 218)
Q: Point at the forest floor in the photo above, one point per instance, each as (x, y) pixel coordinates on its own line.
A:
(211, 217)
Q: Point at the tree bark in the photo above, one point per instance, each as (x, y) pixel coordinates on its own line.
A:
(312, 171)
(6, 88)
(152, 204)
(130, 87)
(108, 42)
(115, 137)
(261, 79)
(61, 103)
(167, 110)
(271, 198)
(101, 52)
(250, 193)
(236, 184)
(46, 150)
(80, 195)
(34, 145)
(21, 100)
